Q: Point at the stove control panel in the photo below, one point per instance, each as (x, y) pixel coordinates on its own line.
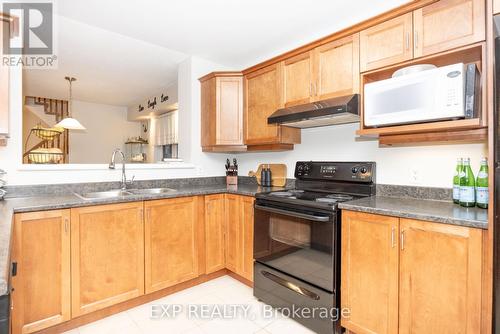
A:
(336, 171)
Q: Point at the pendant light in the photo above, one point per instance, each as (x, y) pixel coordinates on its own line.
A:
(69, 122)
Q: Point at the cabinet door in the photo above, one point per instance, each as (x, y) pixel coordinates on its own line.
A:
(4, 87)
(214, 233)
(229, 121)
(369, 286)
(387, 43)
(246, 235)
(448, 24)
(298, 79)
(171, 242)
(41, 248)
(107, 255)
(262, 98)
(440, 282)
(337, 68)
(233, 218)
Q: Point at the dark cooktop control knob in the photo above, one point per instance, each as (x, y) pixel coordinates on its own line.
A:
(363, 170)
(354, 170)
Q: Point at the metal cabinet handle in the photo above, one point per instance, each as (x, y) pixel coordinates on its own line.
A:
(416, 39)
(66, 225)
(293, 214)
(408, 40)
(403, 239)
(393, 237)
(289, 285)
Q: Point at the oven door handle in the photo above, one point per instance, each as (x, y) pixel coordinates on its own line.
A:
(289, 285)
(293, 214)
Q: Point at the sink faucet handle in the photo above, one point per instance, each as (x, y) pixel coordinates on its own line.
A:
(131, 181)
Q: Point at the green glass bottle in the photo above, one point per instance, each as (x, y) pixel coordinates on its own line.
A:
(456, 181)
(467, 186)
(482, 195)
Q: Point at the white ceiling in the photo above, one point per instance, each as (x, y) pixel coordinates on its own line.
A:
(125, 50)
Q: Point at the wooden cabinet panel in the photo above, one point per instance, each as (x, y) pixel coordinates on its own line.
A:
(221, 110)
(107, 255)
(171, 242)
(386, 43)
(370, 272)
(41, 248)
(232, 239)
(440, 282)
(496, 7)
(298, 79)
(448, 24)
(263, 97)
(229, 121)
(208, 113)
(214, 233)
(337, 68)
(4, 89)
(246, 235)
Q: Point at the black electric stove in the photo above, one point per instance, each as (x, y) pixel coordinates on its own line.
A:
(297, 238)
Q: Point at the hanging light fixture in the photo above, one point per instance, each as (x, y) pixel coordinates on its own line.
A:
(69, 122)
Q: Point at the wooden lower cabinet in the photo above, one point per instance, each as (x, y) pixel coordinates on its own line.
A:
(440, 278)
(214, 233)
(107, 255)
(425, 278)
(239, 235)
(172, 234)
(41, 287)
(369, 278)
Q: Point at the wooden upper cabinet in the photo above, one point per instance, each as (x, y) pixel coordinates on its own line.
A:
(298, 85)
(263, 96)
(107, 255)
(171, 241)
(448, 24)
(370, 272)
(221, 110)
(496, 7)
(214, 233)
(41, 249)
(336, 68)
(440, 287)
(387, 43)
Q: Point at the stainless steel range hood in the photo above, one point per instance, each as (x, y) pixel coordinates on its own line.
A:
(338, 110)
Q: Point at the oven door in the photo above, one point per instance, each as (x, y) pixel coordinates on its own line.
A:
(299, 242)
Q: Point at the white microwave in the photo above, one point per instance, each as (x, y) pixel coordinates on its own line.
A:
(443, 93)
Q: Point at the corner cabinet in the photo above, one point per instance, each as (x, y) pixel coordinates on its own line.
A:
(41, 287)
(107, 256)
(239, 235)
(215, 224)
(172, 235)
(222, 112)
(410, 276)
(263, 96)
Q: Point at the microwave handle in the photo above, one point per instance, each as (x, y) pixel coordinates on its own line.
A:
(293, 214)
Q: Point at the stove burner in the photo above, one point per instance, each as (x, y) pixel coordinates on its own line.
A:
(341, 197)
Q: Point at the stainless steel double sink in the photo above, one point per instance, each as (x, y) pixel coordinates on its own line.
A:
(123, 193)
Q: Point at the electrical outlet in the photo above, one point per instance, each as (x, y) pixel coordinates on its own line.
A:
(415, 176)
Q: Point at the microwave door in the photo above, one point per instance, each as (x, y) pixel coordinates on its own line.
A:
(392, 102)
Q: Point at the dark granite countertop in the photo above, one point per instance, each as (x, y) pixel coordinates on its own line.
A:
(63, 201)
(445, 212)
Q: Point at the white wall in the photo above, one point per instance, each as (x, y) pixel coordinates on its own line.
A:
(417, 165)
(107, 128)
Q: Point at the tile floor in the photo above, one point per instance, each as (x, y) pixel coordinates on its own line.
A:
(221, 291)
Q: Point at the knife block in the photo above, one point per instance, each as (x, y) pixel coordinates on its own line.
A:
(232, 180)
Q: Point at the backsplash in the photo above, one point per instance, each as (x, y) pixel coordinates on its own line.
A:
(432, 193)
